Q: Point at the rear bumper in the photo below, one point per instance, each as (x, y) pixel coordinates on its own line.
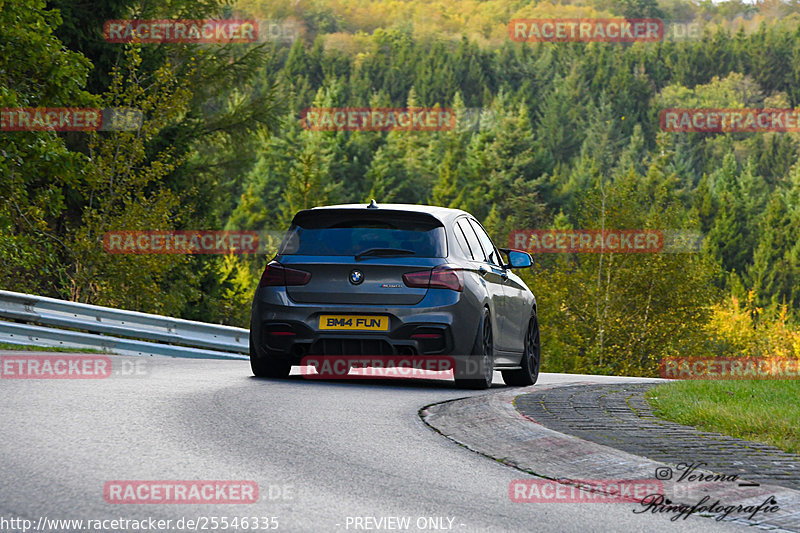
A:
(443, 323)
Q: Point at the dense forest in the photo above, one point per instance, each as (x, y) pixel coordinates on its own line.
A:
(549, 135)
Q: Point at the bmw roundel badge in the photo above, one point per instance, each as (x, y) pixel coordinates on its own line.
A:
(356, 277)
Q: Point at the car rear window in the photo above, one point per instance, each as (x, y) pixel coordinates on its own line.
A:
(340, 234)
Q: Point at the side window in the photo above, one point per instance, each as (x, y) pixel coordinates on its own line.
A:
(472, 240)
(486, 242)
(462, 240)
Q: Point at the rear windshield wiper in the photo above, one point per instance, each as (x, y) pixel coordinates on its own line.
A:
(374, 252)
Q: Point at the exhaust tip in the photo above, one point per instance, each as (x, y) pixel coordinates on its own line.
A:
(299, 350)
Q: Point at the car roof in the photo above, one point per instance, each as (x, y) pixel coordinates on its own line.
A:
(443, 214)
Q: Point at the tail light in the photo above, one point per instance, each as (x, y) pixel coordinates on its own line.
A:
(441, 277)
(277, 275)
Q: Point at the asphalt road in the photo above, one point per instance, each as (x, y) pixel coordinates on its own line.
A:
(327, 456)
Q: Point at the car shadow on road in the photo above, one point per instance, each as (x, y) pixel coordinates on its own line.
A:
(398, 383)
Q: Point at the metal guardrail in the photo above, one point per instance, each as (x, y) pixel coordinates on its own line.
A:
(53, 322)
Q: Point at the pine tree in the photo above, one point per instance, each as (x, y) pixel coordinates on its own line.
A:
(560, 118)
(404, 169)
(775, 272)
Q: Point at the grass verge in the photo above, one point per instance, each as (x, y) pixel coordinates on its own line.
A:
(26, 348)
(766, 411)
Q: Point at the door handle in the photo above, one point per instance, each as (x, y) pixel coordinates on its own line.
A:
(482, 271)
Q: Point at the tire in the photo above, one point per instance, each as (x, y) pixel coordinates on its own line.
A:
(483, 352)
(531, 359)
(264, 367)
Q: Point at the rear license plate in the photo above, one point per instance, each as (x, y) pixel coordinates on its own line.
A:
(354, 322)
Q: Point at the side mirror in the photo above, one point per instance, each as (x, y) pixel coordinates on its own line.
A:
(518, 259)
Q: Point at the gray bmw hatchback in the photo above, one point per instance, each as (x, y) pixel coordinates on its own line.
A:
(395, 279)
